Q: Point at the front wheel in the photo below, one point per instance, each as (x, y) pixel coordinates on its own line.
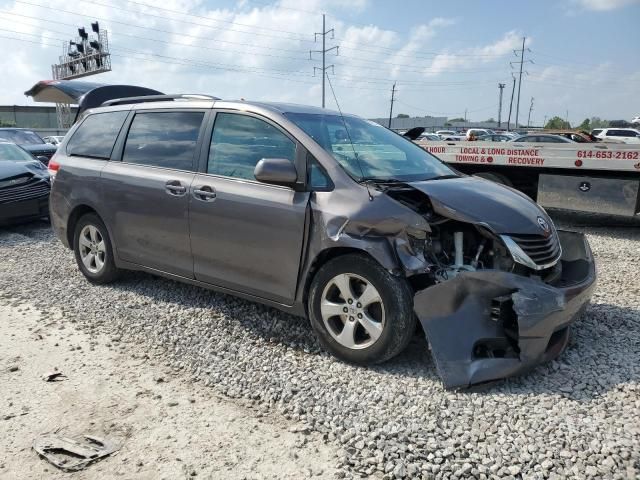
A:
(360, 312)
(93, 250)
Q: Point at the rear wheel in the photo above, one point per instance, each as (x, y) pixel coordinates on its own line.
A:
(93, 251)
(360, 312)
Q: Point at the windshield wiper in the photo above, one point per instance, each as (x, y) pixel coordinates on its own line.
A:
(441, 177)
(381, 180)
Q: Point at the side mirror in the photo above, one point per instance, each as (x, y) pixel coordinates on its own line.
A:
(276, 171)
(43, 159)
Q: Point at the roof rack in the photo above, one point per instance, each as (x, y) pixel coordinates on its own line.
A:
(156, 98)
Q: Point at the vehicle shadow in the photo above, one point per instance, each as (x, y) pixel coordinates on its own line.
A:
(603, 353)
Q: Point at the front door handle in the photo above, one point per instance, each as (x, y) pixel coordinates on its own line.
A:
(204, 193)
(174, 187)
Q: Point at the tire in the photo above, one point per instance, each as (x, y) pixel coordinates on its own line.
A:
(98, 265)
(390, 323)
(494, 177)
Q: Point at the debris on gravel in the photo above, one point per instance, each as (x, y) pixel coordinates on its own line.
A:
(574, 417)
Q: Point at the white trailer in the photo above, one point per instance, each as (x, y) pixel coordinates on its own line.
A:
(584, 177)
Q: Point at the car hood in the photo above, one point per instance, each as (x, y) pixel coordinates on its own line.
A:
(39, 147)
(474, 200)
(12, 170)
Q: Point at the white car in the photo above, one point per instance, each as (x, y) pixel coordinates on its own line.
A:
(54, 139)
(450, 135)
(636, 120)
(479, 132)
(627, 135)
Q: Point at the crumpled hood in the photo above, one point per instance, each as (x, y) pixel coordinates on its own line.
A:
(475, 200)
(10, 169)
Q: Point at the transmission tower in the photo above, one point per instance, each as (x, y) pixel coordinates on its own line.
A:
(521, 63)
(530, 110)
(324, 52)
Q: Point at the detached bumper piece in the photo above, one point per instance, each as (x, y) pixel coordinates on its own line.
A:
(487, 325)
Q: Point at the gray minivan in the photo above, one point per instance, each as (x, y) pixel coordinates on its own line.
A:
(323, 215)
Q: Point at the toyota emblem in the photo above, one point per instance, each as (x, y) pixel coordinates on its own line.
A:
(544, 225)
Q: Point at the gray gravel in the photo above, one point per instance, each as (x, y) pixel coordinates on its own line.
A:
(576, 417)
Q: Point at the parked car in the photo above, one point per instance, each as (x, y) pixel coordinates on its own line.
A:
(494, 138)
(431, 137)
(627, 135)
(29, 140)
(636, 119)
(324, 215)
(54, 139)
(24, 185)
(541, 138)
(479, 132)
(445, 133)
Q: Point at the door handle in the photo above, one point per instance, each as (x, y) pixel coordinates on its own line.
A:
(204, 193)
(174, 187)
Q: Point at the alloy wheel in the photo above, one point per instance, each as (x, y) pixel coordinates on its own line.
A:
(352, 311)
(92, 249)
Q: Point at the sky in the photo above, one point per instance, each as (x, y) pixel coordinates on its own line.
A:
(581, 58)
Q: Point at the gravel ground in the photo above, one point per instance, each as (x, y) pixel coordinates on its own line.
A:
(578, 416)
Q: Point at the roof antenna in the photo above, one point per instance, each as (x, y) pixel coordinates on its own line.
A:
(349, 136)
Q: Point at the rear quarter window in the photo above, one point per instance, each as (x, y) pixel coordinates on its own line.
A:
(96, 135)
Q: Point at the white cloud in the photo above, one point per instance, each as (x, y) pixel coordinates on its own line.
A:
(474, 56)
(604, 5)
(271, 63)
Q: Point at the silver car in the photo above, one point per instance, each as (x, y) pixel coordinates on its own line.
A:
(327, 216)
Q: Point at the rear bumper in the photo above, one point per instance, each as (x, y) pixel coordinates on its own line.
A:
(488, 325)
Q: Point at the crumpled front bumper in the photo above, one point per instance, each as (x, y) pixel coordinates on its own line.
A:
(488, 325)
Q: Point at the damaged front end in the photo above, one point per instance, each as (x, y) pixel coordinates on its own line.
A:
(488, 324)
(493, 304)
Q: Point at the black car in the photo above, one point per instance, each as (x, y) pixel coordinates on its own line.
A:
(24, 185)
(30, 141)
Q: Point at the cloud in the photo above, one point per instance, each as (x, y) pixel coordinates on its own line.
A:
(474, 56)
(604, 5)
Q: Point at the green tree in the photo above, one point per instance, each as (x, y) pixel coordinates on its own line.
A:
(596, 122)
(585, 125)
(402, 115)
(6, 124)
(557, 123)
(458, 119)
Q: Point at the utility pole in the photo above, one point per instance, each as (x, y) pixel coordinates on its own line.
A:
(393, 94)
(465, 116)
(544, 123)
(566, 119)
(513, 89)
(324, 51)
(521, 62)
(529, 117)
(501, 87)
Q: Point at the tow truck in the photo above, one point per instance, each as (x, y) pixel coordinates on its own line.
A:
(582, 177)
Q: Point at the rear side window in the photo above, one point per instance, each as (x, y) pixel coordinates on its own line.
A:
(163, 139)
(96, 136)
(239, 142)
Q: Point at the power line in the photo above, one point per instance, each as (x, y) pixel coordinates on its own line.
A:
(386, 66)
(163, 18)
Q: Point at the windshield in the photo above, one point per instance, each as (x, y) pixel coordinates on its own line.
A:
(368, 151)
(20, 137)
(13, 153)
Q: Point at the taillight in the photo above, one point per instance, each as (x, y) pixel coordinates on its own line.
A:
(53, 167)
